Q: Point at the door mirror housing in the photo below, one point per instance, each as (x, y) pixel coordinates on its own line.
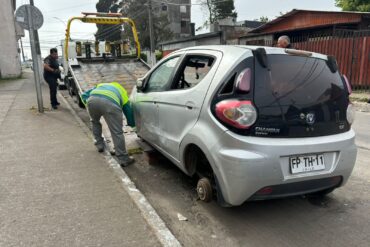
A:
(140, 84)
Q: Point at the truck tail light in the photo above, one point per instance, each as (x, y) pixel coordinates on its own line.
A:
(237, 113)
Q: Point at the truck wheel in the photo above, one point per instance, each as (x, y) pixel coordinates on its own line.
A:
(70, 90)
(204, 190)
(62, 87)
(71, 87)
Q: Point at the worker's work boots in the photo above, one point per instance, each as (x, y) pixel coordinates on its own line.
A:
(100, 147)
(126, 161)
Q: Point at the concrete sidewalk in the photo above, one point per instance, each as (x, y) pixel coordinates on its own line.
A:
(55, 188)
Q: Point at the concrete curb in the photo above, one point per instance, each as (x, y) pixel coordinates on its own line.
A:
(164, 235)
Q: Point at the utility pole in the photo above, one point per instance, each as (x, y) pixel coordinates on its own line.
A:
(38, 49)
(152, 47)
(24, 60)
(35, 50)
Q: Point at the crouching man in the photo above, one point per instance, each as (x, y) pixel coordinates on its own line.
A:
(109, 100)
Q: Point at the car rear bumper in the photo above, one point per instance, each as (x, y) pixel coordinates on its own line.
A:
(246, 165)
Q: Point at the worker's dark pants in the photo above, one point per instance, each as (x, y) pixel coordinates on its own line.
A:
(53, 85)
(100, 107)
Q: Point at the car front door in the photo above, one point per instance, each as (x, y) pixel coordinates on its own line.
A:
(145, 101)
(179, 106)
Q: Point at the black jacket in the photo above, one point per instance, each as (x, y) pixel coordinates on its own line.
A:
(53, 63)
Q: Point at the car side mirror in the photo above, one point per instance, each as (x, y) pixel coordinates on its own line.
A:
(140, 84)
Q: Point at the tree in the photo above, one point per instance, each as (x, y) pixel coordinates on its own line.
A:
(107, 32)
(264, 19)
(354, 5)
(224, 9)
(217, 10)
(137, 10)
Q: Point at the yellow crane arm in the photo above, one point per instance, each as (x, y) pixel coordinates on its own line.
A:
(102, 20)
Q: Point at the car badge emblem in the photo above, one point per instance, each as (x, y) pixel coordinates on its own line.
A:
(310, 118)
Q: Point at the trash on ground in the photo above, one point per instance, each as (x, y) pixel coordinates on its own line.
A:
(181, 217)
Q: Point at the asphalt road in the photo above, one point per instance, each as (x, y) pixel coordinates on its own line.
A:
(340, 219)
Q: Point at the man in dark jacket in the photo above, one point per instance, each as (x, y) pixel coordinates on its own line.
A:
(51, 75)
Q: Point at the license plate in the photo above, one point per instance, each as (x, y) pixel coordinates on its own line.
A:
(306, 163)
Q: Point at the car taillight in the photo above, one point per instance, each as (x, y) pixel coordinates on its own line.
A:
(240, 114)
(348, 85)
(350, 113)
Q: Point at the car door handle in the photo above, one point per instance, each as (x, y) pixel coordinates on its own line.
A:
(189, 105)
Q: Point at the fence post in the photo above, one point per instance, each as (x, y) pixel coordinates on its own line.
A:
(362, 63)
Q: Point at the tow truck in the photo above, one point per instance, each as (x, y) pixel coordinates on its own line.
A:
(90, 62)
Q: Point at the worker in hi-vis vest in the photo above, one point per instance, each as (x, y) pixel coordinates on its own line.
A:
(109, 100)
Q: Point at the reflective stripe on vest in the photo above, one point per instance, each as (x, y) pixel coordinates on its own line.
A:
(113, 91)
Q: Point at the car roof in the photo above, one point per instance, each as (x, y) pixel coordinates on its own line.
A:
(238, 50)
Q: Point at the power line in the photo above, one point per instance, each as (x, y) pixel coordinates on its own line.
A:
(115, 27)
(71, 7)
(189, 4)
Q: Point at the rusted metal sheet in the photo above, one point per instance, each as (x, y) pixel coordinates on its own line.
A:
(350, 48)
(165, 53)
(303, 19)
(351, 51)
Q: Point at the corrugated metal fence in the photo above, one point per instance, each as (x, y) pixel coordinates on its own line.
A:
(351, 49)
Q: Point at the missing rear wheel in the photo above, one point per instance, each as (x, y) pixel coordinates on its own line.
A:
(204, 190)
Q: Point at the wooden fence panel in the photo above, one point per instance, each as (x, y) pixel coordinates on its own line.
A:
(352, 51)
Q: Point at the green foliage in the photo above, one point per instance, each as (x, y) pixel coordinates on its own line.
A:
(137, 10)
(106, 32)
(224, 9)
(218, 10)
(144, 57)
(158, 55)
(264, 19)
(354, 5)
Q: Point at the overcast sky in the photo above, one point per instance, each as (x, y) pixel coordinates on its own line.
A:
(56, 14)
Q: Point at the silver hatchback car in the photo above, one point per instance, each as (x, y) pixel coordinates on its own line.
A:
(253, 123)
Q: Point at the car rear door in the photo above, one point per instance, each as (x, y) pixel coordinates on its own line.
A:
(179, 107)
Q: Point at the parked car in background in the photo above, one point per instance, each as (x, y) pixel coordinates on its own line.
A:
(252, 123)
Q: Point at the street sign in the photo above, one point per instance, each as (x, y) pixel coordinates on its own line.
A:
(21, 16)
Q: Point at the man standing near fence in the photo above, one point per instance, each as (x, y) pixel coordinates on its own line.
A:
(284, 42)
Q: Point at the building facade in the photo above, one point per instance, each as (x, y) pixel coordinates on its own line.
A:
(178, 13)
(10, 65)
(224, 32)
